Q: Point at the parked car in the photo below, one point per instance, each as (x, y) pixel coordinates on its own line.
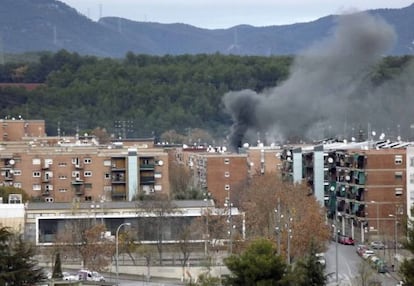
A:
(321, 258)
(377, 245)
(367, 253)
(90, 275)
(70, 276)
(360, 248)
(343, 239)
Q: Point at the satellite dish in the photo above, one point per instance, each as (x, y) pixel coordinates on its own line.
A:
(347, 178)
(246, 145)
(11, 162)
(330, 160)
(160, 163)
(353, 139)
(332, 188)
(224, 148)
(374, 133)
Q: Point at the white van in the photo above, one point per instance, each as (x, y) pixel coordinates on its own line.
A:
(90, 275)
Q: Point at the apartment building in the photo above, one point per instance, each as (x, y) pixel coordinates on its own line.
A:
(223, 174)
(362, 184)
(16, 129)
(83, 171)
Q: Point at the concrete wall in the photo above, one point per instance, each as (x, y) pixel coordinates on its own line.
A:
(12, 215)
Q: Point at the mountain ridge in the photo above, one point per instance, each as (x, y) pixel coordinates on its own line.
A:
(50, 25)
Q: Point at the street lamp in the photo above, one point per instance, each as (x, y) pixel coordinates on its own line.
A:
(116, 247)
(395, 234)
(377, 203)
(207, 232)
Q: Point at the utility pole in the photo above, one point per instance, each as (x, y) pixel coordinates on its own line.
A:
(228, 204)
(278, 228)
(289, 236)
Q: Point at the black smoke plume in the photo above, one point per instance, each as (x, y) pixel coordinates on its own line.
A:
(328, 91)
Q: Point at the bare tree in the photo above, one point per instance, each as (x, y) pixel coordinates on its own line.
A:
(269, 203)
(147, 251)
(95, 250)
(365, 273)
(185, 245)
(159, 207)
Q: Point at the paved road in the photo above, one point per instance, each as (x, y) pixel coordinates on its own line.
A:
(349, 267)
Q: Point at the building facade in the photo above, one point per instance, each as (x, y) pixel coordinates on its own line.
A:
(84, 172)
(363, 185)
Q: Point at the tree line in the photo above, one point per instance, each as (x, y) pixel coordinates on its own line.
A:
(142, 95)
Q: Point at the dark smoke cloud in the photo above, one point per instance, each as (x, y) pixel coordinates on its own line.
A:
(327, 92)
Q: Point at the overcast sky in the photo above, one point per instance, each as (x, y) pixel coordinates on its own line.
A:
(215, 14)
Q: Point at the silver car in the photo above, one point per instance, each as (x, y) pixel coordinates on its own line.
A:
(377, 245)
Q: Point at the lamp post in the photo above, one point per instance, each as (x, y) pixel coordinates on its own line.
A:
(207, 232)
(278, 226)
(395, 235)
(116, 248)
(378, 223)
(336, 239)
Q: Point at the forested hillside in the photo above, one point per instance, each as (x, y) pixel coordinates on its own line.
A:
(153, 94)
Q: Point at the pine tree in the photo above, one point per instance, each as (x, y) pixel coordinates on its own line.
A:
(17, 266)
(259, 264)
(309, 271)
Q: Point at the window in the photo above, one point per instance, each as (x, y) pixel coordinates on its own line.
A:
(49, 200)
(36, 174)
(36, 187)
(226, 161)
(63, 190)
(411, 161)
(75, 174)
(88, 198)
(36, 161)
(17, 185)
(87, 173)
(398, 191)
(107, 176)
(227, 187)
(226, 174)
(398, 175)
(87, 160)
(107, 188)
(107, 163)
(398, 159)
(63, 177)
(17, 172)
(62, 164)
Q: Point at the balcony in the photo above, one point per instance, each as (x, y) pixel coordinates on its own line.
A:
(117, 168)
(147, 180)
(145, 167)
(118, 179)
(118, 195)
(77, 181)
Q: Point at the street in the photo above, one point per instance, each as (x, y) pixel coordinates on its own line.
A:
(349, 267)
